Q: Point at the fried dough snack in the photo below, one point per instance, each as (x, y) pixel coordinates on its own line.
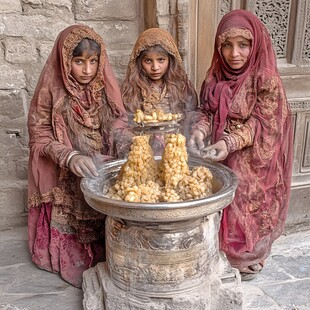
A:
(155, 116)
(137, 177)
(196, 185)
(141, 179)
(173, 166)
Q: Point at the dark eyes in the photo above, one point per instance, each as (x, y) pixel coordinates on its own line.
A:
(81, 61)
(241, 44)
(149, 61)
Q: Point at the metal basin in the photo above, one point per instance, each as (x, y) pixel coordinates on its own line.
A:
(224, 186)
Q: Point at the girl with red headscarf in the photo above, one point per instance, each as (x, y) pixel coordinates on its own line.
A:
(247, 125)
(76, 120)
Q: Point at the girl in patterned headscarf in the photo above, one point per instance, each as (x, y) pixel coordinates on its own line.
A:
(248, 120)
(156, 79)
(76, 120)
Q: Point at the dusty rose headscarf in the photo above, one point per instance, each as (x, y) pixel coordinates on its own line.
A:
(134, 86)
(55, 84)
(254, 98)
(223, 83)
(56, 72)
(65, 234)
(152, 37)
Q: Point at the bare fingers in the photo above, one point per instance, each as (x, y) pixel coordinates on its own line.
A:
(83, 166)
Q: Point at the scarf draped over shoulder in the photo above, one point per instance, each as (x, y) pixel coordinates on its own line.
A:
(248, 109)
(135, 92)
(57, 88)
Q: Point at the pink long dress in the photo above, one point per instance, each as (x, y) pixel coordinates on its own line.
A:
(248, 109)
(66, 236)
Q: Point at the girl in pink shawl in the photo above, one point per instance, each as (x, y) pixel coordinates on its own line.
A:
(156, 79)
(76, 120)
(248, 124)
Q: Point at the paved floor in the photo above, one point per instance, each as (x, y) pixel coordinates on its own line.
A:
(283, 284)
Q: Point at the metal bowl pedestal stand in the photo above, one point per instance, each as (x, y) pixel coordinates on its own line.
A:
(162, 256)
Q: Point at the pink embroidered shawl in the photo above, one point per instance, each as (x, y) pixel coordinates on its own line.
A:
(49, 180)
(248, 109)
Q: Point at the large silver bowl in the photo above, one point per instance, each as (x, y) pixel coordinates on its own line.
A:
(94, 190)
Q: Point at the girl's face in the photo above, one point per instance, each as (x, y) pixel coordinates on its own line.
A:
(235, 51)
(84, 67)
(155, 65)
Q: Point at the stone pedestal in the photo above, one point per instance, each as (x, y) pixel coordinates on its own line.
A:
(101, 294)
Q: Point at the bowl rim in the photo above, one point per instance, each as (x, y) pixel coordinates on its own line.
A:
(227, 189)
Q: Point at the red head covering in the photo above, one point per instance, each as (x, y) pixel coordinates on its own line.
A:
(223, 83)
(55, 75)
(65, 234)
(56, 88)
(136, 87)
(152, 37)
(251, 106)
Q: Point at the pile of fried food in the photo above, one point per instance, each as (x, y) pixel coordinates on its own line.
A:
(143, 179)
(155, 116)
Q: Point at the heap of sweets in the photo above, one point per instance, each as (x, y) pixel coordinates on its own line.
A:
(181, 183)
(196, 185)
(137, 179)
(170, 181)
(155, 116)
(173, 166)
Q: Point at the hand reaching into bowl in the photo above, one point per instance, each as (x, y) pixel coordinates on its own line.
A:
(216, 152)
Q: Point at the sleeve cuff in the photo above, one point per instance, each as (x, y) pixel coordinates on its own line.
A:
(69, 157)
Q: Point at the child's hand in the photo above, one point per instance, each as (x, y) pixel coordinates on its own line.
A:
(216, 152)
(195, 143)
(83, 166)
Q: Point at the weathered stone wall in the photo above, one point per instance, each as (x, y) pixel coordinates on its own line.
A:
(28, 29)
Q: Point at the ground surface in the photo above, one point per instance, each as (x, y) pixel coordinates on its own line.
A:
(284, 283)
